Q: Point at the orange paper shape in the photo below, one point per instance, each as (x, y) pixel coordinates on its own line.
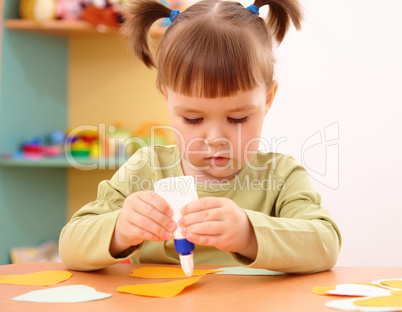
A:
(380, 301)
(397, 283)
(162, 272)
(161, 290)
(43, 278)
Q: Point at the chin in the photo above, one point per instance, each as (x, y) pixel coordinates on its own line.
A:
(220, 176)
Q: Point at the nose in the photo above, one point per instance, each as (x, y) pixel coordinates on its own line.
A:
(215, 134)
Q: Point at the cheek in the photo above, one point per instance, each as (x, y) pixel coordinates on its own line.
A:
(178, 129)
(249, 145)
(250, 137)
(181, 139)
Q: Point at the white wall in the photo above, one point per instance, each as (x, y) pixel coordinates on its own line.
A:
(340, 81)
(343, 72)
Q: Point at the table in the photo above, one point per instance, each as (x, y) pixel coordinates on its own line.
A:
(214, 292)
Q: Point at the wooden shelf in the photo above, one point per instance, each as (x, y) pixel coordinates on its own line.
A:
(82, 163)
(68, 28)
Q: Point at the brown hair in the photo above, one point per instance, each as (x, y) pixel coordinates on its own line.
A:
(214, 48)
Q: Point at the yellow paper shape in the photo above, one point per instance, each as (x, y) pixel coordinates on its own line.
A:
(380, 301)
(322, 290)
(163, 272)
(162, 290)
(43, 278)
(392, 283)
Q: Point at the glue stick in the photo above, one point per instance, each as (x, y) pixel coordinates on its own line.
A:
(177, 192)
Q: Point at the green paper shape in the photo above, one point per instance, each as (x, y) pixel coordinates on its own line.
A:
(240, 270)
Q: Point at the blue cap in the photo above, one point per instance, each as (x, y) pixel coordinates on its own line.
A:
(183, 246)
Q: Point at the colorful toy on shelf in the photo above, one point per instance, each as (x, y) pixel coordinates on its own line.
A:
(38, 10)
(82, 143)
(94, 142)
(80, 148)
(57, 137)
(38, 147)
(51, 151)
(32, 149)
(94, 149)
(55, 144)
(69, 10)
(102, 12)
(121, 143)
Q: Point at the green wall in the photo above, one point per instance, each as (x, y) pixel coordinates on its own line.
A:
(33, 102)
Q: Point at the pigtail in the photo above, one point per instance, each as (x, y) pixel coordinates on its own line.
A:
(139, 16)
(280, 14)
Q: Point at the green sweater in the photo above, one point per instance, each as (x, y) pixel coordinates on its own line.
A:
(294, 232)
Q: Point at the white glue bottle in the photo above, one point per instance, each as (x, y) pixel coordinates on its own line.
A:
(177, 192)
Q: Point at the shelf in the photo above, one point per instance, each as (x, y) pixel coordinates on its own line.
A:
(68, 28)
(82, 163)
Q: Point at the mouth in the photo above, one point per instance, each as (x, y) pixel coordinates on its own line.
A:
(218, 160)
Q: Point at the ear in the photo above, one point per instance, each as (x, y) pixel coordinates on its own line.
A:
(271, 95)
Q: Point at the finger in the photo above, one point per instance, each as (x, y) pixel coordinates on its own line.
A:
(201, 204)
(203, 216)
(148, 228)
(150, 212)
(157, 202)
(204, 240)
(204, 228)
(218, 241)
(144, 235)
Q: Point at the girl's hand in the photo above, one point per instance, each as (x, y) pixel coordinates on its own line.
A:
(219, 222)
(144, 216)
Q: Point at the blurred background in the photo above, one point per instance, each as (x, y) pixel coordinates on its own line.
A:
(339, 106)
(337, 111)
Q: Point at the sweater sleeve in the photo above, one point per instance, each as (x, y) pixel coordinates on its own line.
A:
(84, 241)
(299, 236)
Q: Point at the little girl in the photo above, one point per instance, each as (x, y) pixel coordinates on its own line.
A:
(215, 71)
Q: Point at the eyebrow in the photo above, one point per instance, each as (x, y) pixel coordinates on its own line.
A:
(237, 109)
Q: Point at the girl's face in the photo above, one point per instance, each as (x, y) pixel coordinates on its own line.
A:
(217, 137)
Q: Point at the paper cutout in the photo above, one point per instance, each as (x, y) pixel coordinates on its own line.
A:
(43, 278)
(381, 301)
(347, 305)
(163, 272)
(162, 290)
(351, 289)
(381, 296)
(240, 270)
(71, 293)
(322, 290)
(394, 283)
(379, 283)
(358, 290)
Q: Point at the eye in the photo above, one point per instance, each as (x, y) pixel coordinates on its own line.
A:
(238, 120)
(192, 121)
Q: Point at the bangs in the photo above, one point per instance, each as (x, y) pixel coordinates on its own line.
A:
(212, 61)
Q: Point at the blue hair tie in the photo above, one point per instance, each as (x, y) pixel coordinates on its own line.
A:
(253, 9)
(174, 14)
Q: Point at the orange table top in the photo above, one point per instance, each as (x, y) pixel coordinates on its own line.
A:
(212, 293)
